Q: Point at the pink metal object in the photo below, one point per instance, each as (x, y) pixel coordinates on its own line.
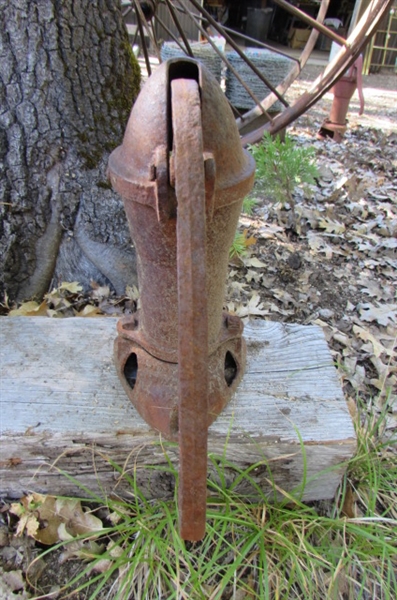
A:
(183, 175)
(335, 126)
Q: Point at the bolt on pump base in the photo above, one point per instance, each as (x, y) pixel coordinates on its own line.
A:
(182, 174)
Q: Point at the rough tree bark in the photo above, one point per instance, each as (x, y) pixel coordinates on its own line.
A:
(68, 80)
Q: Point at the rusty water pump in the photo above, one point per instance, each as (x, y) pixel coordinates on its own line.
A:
(182, 174)
(336, 124)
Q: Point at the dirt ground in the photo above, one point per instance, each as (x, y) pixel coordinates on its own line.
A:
(337, 269)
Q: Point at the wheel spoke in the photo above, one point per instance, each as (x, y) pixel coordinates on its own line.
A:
(334, 70)
(260, 43)
(180, 29)
(292, 75)
(142, 36)
(146, 26)
(169, 32)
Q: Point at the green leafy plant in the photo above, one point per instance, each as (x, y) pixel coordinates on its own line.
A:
(241, 243)
(242, 240)
(259, 549)
(281, 166)
(249, 204)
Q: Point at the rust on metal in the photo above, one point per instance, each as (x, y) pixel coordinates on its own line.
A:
(183, 175)
(336, 124)
(192, 305)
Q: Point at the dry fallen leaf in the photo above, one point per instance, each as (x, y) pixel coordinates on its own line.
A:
(73, 287)
(238, 287)
(47, 518)
(318, 244)
(83, 549)
(252, 261)
(377, 346)
(99, 292)
(384, 314)
(132, 292)
(349, 503)
(253, 276)
(254, 307)
(332, 226)
(14, 580)
(30, 309)
(89, 311)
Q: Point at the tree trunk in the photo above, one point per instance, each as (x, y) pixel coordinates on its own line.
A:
(68, 80)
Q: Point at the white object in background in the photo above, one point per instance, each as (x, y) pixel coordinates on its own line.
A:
(219, 42)
(335, 23)
(334, 50)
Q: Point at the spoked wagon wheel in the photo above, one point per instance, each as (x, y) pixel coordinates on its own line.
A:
(185, 14)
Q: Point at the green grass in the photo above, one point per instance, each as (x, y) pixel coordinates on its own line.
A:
(263, 550)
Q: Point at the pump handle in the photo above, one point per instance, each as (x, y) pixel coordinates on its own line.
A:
(189, 173)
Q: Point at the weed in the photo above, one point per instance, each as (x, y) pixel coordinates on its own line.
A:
(241, 240)
(259, 550)
(281, 166)
(249, 204)
(241, 243)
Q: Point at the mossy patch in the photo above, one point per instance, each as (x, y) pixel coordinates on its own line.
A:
(110, 120)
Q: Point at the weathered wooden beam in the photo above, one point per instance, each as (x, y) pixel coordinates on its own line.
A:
(64, 410)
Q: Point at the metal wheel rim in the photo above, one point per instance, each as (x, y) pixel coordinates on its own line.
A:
(352, 47)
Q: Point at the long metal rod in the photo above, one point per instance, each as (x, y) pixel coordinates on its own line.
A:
(259, 43)
(244, 37)
(147, 27)
(192, 307)
(283, 86)
(126, 11)
(344, 59)
(302, 16)
(167, 30)
(142, 36)
(135, 37)
(236, 112)
(179, 27)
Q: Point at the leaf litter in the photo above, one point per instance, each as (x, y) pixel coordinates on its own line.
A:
(338, 267)
(346, 240)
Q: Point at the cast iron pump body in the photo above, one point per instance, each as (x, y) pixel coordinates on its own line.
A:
(182, 174)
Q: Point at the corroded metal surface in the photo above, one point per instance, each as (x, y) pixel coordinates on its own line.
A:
(189, 174)
(183, 175)
(336, 124)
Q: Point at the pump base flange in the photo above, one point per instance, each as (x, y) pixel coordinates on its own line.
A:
(335, 131)
(152, 384)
